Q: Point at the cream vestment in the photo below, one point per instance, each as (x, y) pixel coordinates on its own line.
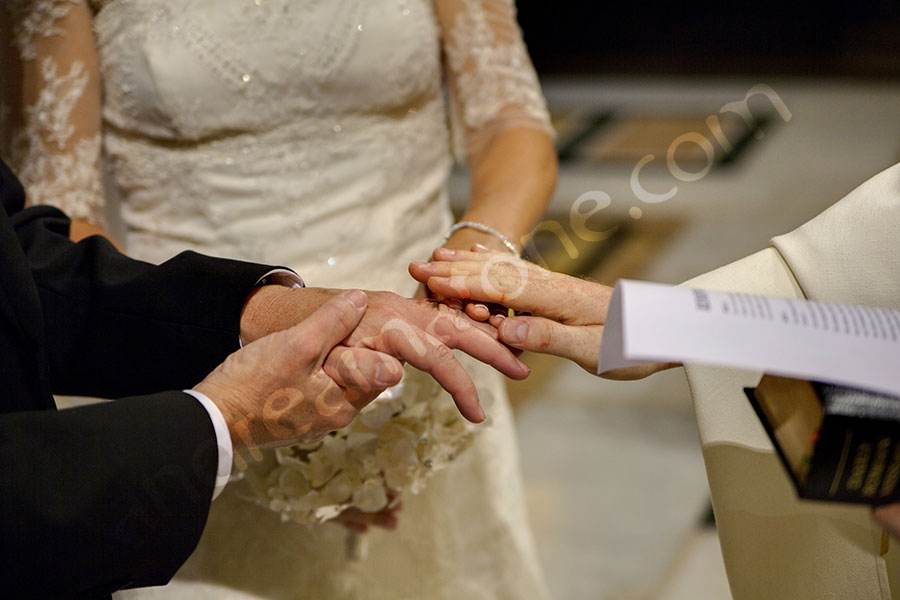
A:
(776, 547)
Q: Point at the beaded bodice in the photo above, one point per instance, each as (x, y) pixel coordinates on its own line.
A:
(316, 134)
(299, 132)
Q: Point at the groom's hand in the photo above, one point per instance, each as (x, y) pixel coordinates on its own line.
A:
(300, 384)
(419, 332)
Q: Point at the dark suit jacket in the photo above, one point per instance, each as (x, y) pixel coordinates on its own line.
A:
(114, 495)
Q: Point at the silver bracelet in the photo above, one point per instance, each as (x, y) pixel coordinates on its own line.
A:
(484, 229)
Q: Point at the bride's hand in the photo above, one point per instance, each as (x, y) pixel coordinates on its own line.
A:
(567, 313)
(359, 522)
(464, 239)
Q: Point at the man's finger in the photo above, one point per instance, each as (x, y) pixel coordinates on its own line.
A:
(460, 333)
(536, 334)
(426, 353)
(367, 372)
(336, 319)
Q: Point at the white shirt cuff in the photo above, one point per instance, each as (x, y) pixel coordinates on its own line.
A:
(223, 441)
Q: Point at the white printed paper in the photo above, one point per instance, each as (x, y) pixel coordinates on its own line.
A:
(857, 346)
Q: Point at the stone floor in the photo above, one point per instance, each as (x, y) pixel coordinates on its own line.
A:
(614, 475)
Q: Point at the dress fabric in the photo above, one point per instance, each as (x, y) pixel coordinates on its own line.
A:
(312, 134)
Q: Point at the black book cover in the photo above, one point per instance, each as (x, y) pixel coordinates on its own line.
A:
(853, 455)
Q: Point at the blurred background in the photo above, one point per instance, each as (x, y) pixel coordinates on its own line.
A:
(770, 112)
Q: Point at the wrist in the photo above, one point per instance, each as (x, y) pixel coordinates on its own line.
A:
(272, 308)
(220, 398)
(464, 239)
(469, 231)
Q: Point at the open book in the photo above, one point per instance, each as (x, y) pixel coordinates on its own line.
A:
(857, 346)
(830, 401)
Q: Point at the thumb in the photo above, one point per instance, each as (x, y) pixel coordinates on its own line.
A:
(580, 344)
(334, 320)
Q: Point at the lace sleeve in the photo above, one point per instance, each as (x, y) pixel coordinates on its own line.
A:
(492, 83)
(53, 105)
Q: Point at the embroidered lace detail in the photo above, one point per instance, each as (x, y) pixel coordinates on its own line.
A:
(493, 83)
(53, 169)
(35, 18)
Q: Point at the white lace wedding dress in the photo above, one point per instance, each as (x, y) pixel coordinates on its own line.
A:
(312, 134)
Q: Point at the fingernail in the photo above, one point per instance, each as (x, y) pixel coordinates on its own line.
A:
(514, 331)
(481, 414)
(480, 248)
(421, 265)
(356, 297)
(385, 373)
(445, 252)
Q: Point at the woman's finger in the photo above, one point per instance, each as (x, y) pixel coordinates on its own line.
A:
(385, 518)
(477, 311)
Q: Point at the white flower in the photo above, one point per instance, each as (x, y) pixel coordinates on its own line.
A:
(397, 443)
(376, 414)
(322, 467)
(293, 483)
(371, 497)
(340, 488)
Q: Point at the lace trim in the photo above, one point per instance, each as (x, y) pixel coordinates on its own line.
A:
(68, 180)
(53, 171)
(492, 71)
(33, 18)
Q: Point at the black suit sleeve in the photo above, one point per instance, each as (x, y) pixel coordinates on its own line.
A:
(103, 497)
(113, 495)
(117, 326)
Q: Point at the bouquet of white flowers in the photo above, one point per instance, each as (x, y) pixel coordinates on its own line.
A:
(399, 440)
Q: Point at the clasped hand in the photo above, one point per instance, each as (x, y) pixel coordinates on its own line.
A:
(315, 357)
(566, 314)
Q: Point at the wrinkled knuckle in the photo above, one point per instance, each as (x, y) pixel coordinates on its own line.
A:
(391, 298)
(342, 418)
(442, 353)
(541, 336)
(304, 348)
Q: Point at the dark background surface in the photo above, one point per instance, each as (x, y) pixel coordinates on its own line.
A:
(845, 39)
